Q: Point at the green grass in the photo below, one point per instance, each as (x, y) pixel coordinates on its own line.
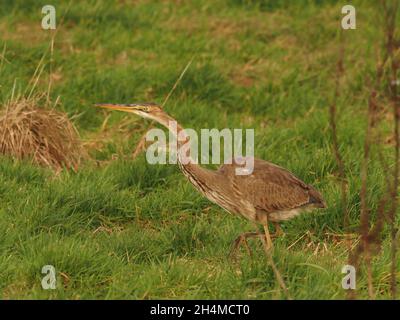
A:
(127, 229)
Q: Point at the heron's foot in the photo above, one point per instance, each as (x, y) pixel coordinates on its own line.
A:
(278, 231)
(268, 246)
(242, 239)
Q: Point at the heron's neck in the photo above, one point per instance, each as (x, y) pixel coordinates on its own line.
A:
(197, 175)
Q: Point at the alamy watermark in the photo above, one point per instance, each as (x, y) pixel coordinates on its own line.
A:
(349, 280)
(49, 281)
(183, 145)
(49, 20)
(349, 20)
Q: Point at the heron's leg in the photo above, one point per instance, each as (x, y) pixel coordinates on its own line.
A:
(268, 243)
(278, 230)
(242, 239)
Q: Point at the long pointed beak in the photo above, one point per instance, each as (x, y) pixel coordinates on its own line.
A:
(119, 107)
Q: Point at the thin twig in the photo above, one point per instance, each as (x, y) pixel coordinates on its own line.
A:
(390, 13)
(40, 66)
(177, 81)
(142, 141)
(3, 56)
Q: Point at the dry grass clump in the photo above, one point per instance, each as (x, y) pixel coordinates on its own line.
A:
(44, 135)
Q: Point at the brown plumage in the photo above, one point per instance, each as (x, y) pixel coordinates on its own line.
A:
(274, 191)
(269, 193)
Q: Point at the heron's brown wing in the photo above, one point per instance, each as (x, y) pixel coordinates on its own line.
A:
(272, 188)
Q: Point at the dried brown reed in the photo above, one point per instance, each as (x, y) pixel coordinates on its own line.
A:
(44, 135)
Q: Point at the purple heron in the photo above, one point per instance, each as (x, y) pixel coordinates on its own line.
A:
(269, 194)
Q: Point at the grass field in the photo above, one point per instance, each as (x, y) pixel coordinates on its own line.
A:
(122, 228)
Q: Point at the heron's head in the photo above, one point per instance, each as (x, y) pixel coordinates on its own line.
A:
(147, 110)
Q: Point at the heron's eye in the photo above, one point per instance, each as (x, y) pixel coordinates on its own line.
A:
(144, 109)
